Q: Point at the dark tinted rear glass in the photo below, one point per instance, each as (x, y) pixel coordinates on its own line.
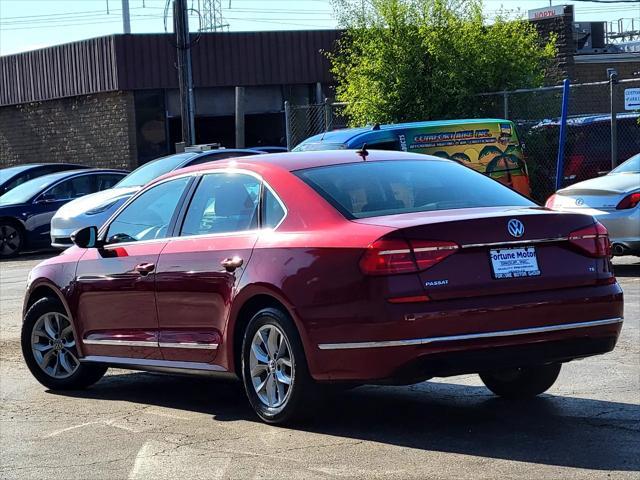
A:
(361, 190)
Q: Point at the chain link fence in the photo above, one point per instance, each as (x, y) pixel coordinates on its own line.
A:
(588, 147)
(536, 113)
(304, 121)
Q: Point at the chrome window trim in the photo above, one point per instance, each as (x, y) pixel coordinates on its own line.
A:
(106, 225)
(516, 242)
(471, 336)
(121, 343)
(102, 231)
(199, 346)
(279, 200)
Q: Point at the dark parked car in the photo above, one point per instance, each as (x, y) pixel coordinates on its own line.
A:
(296, 269)
(588, 144)
(26, 210)
(11, 177)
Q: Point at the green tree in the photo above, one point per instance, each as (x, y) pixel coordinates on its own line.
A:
(407, 60)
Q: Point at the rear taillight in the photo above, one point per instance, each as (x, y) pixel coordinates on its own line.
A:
(550, 201)
(592, 240)
(630, 201)
(391, 256)
(428, 253)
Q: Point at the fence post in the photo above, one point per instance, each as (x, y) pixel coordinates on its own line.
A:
(613, 79)
(287, 123)
(563, 134)
(505, 104)
(327, 115)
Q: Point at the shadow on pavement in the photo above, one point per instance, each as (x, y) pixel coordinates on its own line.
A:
(627, 270)
(30, 256)
(443, 417)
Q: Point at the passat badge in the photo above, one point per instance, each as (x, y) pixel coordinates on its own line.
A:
(515, 228)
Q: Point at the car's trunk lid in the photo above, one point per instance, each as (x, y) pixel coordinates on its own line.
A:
(481, 232)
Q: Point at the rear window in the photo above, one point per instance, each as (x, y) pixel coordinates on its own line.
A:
(361, 190)
(313, 146)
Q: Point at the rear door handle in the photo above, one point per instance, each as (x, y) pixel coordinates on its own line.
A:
(145, 268)
(230, 264)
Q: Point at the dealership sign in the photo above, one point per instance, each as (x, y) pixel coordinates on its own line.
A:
(632, 99)
(547, 12)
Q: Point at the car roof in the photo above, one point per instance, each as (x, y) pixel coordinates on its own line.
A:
(346, 134)
(54, 177)
(190, 156)
(587, 119)
(292, 161)
(229, 150)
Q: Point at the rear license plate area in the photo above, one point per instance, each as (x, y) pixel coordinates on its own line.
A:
(514, 262)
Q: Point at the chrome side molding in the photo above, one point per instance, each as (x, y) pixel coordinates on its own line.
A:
(199, 346)
(148, 344)
(470, 336)
(164, 366)
(121, 343)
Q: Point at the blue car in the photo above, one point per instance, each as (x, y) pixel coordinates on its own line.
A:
(26, 210)
(11, 177)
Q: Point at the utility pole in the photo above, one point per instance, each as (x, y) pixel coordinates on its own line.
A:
(126, 20)
(185, 77)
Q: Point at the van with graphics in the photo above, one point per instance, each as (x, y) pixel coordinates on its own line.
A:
(488, 145)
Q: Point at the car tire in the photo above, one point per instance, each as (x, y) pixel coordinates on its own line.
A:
(11, 239)
(49, 349)
(521, 382)
(268, 362)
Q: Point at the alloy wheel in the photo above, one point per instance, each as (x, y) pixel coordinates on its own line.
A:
(53, 345)
(9, 240)
(271, 366)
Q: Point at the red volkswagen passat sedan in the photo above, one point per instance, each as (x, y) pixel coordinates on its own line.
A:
(297, 269)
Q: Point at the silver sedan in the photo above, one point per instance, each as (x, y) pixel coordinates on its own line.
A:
(613, 199)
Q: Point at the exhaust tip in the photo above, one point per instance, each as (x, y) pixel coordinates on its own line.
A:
(618, 249)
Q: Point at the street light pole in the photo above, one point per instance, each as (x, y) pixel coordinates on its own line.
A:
(185, 76)
(613, 79)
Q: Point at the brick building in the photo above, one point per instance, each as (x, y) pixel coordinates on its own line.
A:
(114, 101)
(588, 67)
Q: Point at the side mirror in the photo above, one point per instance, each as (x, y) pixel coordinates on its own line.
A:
(86, 237)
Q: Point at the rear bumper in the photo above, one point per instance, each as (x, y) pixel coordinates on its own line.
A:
(535, 330)
(476, 361)
(623, 226)
(413, 360)
(471, 336)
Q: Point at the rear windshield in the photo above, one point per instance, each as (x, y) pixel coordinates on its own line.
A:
(361, 190)
(313, 146)
(152, 170)
(630, 166)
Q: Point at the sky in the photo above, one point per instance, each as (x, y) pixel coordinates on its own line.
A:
(30, 24)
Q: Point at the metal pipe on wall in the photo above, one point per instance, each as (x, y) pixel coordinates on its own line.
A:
(240, 143)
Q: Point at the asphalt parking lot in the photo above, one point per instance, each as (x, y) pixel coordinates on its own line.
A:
(149, 426)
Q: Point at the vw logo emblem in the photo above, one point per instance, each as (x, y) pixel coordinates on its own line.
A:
(515, 228)
(579, 202)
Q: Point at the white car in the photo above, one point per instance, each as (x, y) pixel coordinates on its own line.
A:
(97, 208)
(613, 199)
